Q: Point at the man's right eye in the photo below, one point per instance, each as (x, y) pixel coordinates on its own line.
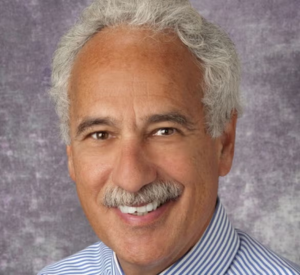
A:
(100, 135)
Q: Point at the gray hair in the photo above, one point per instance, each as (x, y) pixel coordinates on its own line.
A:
(158, 191)
(212, 47)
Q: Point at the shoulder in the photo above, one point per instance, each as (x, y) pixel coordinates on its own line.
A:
(87, 261)
(253, 258)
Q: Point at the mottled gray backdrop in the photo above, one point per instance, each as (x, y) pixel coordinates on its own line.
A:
(40, 217)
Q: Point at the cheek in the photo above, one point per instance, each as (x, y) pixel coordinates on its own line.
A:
(194, 167)
(187, 163)
(91, 172)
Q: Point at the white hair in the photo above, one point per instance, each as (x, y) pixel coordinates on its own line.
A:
(213, 49)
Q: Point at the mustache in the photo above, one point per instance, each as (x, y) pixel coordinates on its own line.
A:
(159, 191)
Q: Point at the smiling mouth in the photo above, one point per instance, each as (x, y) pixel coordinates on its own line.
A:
(140, 210)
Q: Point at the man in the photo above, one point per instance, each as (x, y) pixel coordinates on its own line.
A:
(147, 93)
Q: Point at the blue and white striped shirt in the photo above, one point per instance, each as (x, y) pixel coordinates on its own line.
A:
(221, 250)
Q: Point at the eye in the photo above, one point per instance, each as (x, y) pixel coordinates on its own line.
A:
(100, 135)
(165, 132)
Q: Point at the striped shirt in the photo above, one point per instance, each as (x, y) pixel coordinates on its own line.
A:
(221, 250)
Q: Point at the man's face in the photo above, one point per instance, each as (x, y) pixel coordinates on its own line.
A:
(136, 117)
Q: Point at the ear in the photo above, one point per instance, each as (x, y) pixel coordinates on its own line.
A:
(70, 162)
(226, 146)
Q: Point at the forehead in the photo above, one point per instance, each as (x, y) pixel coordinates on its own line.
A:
(123, 44)
(134, 62)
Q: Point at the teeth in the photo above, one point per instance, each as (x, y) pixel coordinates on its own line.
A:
(124, 209)
(149, 207)
(131, 210)
(139, 211)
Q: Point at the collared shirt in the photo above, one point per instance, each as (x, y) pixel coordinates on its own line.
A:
(221, 250)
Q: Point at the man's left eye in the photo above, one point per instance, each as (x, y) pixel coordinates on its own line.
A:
(165, 132)
(102, 135)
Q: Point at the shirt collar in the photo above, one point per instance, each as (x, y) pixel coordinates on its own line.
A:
(116, 268)
(213, 253)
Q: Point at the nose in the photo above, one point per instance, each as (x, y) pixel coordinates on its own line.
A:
(133, 168)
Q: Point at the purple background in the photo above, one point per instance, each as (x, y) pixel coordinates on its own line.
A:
(41, 220)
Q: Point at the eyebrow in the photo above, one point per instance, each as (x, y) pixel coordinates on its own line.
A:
(172, 117)
(90, 122)
(156, 118)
